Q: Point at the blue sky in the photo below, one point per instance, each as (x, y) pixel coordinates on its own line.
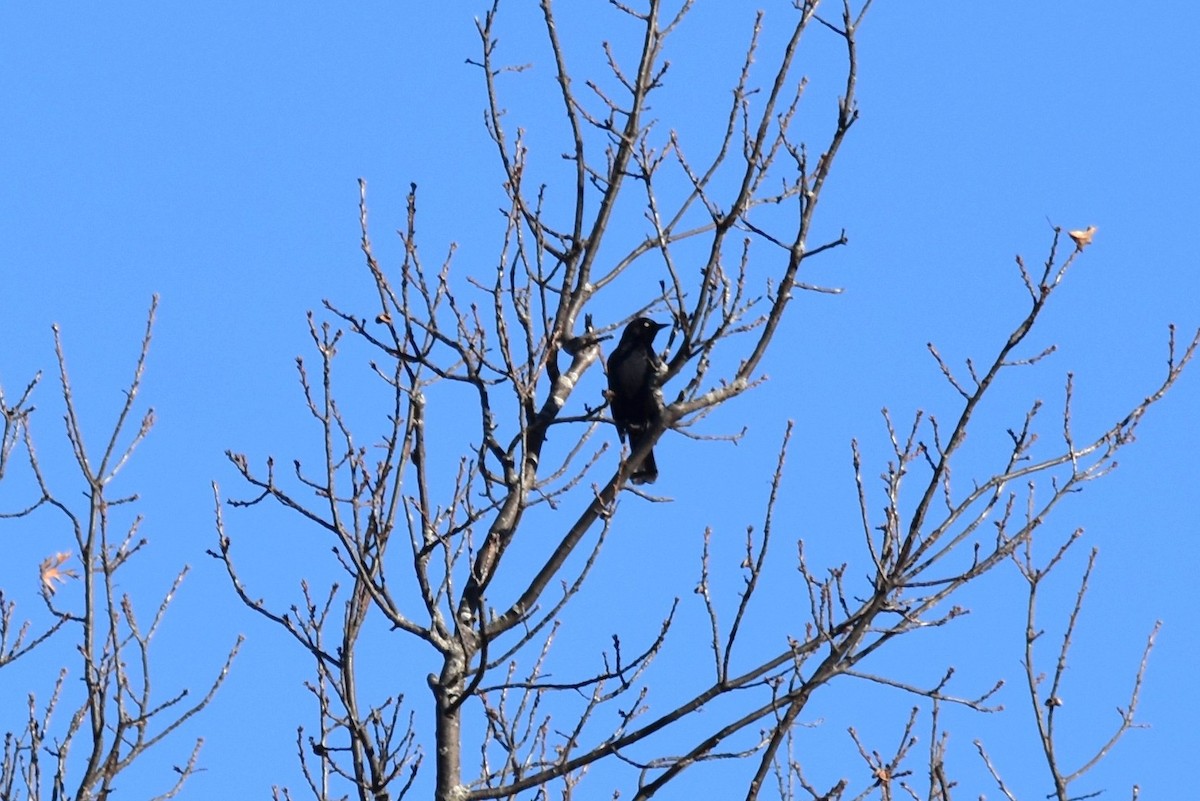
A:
(210, 154)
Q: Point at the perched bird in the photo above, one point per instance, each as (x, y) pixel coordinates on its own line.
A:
(632, 367)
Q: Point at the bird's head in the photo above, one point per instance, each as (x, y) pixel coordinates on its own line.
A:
(642, 329)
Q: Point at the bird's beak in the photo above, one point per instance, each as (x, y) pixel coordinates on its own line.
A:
(661, 326)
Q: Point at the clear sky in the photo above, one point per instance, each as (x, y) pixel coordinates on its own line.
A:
(210, 152)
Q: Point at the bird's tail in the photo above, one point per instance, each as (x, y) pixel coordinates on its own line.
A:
(647, 471)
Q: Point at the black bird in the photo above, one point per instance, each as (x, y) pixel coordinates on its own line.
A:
(632, 368)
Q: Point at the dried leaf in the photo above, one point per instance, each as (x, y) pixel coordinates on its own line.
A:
(1082, 238)
(52, 570)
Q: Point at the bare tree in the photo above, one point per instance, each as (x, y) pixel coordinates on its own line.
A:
(517, 341)
(76, 744)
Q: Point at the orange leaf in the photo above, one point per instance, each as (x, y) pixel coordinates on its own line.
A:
(1082, 238)
(52, 570)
